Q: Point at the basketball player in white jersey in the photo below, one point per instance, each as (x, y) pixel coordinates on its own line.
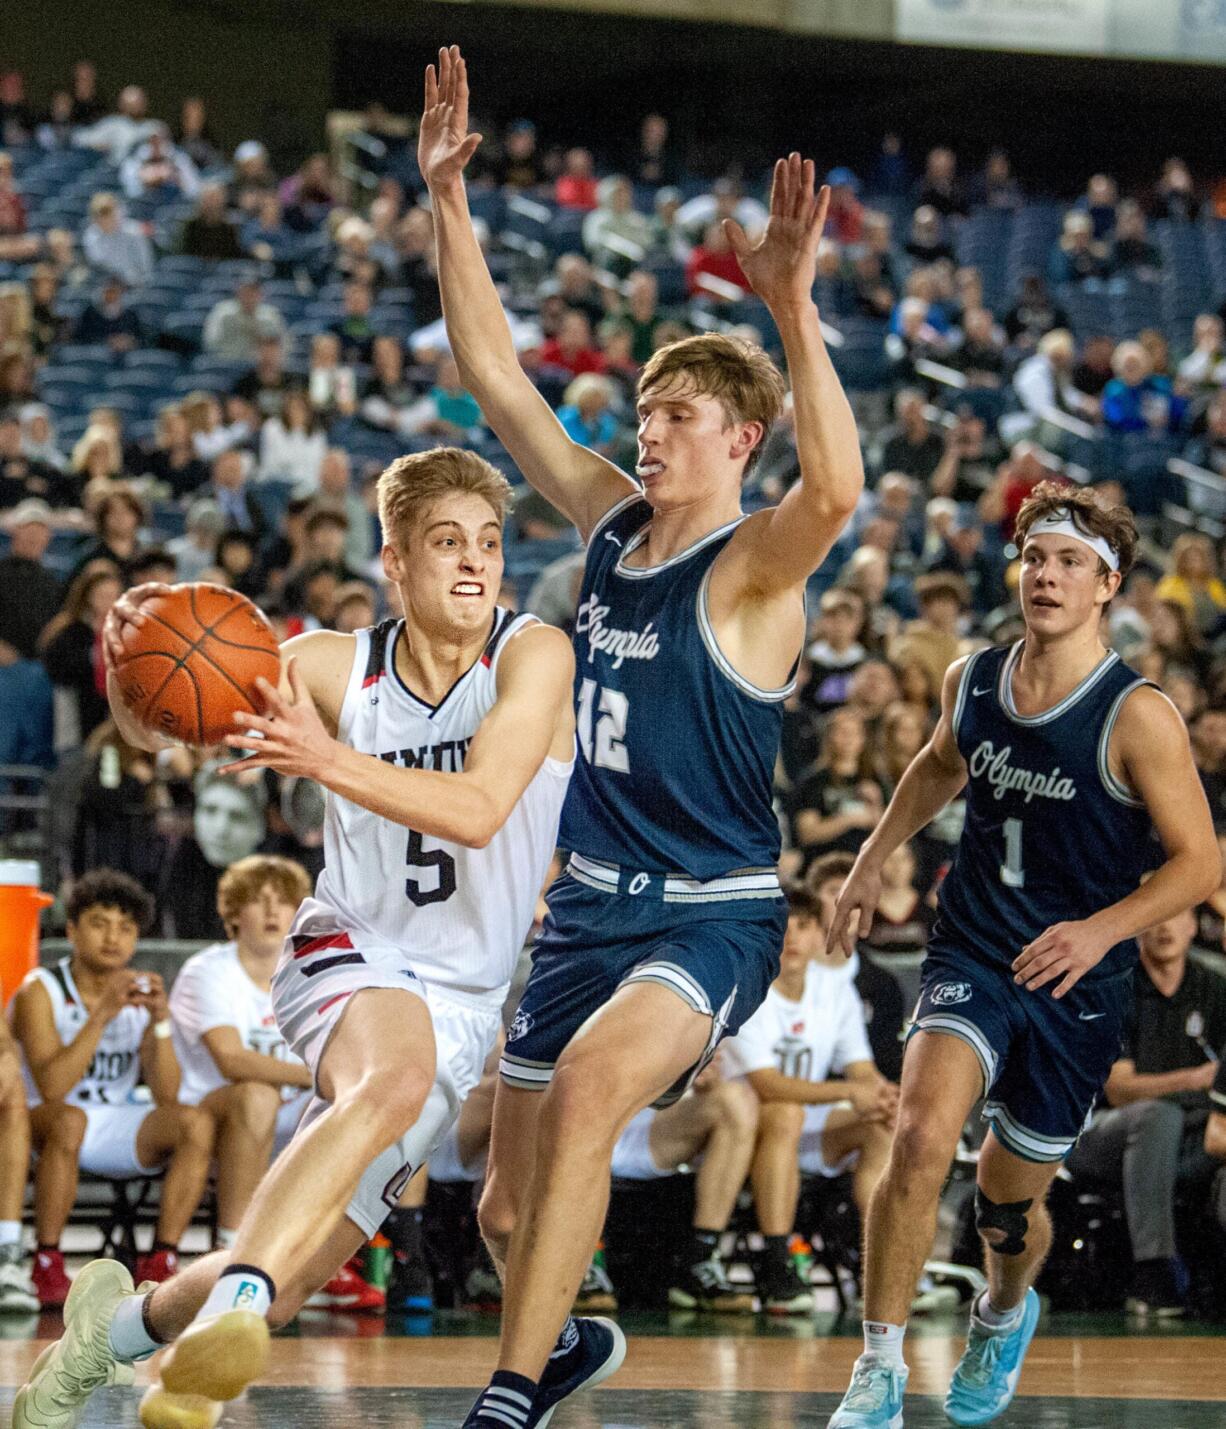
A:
(90, 1029)
(445, 741)
(232, 1054)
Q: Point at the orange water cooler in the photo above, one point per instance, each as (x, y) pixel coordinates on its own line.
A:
(21, 901)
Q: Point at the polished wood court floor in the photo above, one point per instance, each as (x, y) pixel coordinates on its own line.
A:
(339, 1372)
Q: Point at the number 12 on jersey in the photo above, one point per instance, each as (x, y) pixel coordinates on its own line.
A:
(611, 710)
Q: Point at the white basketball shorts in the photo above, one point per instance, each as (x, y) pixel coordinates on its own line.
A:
(812, 1161)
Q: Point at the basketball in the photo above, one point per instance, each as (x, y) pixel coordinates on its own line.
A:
(194, 663)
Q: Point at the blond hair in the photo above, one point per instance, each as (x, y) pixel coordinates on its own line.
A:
(738, 374)
(244, 881)
(412, 482)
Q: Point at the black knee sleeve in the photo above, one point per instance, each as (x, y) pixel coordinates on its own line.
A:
(1006, 1217)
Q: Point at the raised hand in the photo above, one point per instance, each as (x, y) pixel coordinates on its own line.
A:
(782, 265)
(444, 145)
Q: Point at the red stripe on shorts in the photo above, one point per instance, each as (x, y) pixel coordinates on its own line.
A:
(332, 1001)
(327, 940)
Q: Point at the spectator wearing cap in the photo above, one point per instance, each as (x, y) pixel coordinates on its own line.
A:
(109, 320)
(114, 244)
(209, 233)
(252, 176)
(845, 216)
(196, 550)
(22, 475)
(32, 593)
(234, 327)
(836, 652)
(519, 166)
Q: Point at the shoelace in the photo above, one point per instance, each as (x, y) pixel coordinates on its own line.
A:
(869, 1388)
(983, 1350)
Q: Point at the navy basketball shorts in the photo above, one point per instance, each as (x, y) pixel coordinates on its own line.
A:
(1044, 1060)
(719, 953)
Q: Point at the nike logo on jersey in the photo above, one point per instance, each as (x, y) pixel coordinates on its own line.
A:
(984, 691)
(1090, 1016)
(609, 536)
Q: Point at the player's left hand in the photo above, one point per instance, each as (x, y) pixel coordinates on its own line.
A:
(782, 265)
(148, 990)
(1066, 951)
(292, 740)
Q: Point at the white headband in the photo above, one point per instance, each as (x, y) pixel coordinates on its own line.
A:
(1060, 523)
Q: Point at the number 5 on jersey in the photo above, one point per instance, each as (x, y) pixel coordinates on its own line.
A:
(612, 710)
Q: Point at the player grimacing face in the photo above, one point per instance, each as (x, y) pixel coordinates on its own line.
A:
(450, 570)
(103, 938)
(1061, 588)
(688, 450)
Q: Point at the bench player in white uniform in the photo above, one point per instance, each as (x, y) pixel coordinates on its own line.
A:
(232, 1053)
(90, 1030)
(445, 741)
(809, 1030)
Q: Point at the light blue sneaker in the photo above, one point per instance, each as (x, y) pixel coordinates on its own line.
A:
(991, 1365)
(874, 1397)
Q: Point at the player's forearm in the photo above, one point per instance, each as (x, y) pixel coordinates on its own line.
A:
(160, 1067)
(1185, 880)
(923, 791)
(453, 807)
(476, 324)
(827, 441)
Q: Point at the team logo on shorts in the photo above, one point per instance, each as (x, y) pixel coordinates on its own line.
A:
(521, 1025)
(949, 994)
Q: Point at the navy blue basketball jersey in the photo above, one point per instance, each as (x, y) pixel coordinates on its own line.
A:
(677, 750)
(1051, 836)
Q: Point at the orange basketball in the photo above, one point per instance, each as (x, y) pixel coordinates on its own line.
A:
(195, 661)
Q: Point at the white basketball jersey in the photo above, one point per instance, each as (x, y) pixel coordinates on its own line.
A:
(460, 915)
(114, 1072)
(214, 990)
(811, 1039)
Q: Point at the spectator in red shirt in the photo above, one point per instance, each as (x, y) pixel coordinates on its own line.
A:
(576, 187)
(573, 348)
(715, 258)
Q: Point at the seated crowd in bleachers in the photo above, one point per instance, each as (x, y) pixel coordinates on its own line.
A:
(203, 366)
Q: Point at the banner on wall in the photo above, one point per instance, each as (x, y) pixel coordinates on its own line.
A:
(1176, 30)
(1059, 26)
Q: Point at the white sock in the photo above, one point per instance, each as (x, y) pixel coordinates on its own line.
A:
(10, 1232)
(225, 1238)
(239, 1287)
(129, 1338)
(885, 1340)
(992, 1317)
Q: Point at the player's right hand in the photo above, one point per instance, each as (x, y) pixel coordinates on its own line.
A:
(126, 614)
(117, 993)
(444, 145)
(854, 908)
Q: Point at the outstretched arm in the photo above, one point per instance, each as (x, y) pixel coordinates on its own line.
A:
(577, 481)
(777, 550)
(468, 807)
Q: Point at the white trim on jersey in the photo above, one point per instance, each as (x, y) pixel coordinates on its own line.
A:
(638, 573)
(707, 631)
(1005, 688)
